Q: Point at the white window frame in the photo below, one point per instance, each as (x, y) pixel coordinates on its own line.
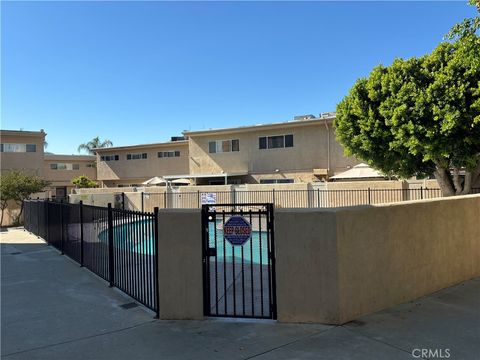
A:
(17, 148)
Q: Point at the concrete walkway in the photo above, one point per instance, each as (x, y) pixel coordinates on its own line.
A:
(53, 309)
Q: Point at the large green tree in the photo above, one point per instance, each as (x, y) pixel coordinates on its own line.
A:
(17, 186)
(420, 116)
(94, 144)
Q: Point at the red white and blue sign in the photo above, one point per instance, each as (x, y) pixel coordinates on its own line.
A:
(237, 230)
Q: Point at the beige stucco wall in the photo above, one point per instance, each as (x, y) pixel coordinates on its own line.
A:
(180, 264)
(395, 253)
(309, 152)
(348, 262)
(28, 161)
(306, 266)
(137, 171)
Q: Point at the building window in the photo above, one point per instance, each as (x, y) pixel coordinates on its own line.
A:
(64, 166)
(222, 146)
(136, 156)
(276, 181)
(90, 165)
(166, 154)
(18, 147)
(275, 142)
(109, 158)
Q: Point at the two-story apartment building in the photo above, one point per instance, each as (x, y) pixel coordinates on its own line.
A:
(61, 169)
(301, 150)
(22, 150)
(132, 165)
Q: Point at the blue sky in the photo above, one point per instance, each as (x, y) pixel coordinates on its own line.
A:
(142, 72)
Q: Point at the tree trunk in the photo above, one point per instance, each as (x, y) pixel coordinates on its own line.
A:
(452, 185)
(3, 212)
(457, 182)
(20, 213)
(445, 181)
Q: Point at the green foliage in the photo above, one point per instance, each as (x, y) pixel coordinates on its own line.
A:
(467, 27)
(419, 115)
(83, 181)
(94, 144)
(16, 185)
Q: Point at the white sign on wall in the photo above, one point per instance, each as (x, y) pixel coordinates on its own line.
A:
(208, 198)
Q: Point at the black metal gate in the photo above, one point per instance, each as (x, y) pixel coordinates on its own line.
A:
(239, 280)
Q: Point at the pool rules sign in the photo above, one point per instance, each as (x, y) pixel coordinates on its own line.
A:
(237, 230)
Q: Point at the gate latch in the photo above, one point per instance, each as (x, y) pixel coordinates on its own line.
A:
(212, 251)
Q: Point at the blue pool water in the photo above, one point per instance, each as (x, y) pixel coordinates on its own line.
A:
(251, 249)
(255, 249)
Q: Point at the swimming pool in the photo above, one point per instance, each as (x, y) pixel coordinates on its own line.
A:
(254, 250)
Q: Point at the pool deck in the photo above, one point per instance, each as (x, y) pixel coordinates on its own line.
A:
(53, 309)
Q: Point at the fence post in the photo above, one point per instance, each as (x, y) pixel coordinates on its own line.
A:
(81, 233)
(369, 197)
(47, 222)
(421, 192)
(273, 196)
(110, 245)
(61, 226)
(123, 201)
(198, 199)
(318, 197)
(155, 244)
(165, 199)
(143, 207)
(234, 196)
(38, 217)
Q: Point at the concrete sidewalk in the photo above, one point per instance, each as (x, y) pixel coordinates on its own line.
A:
(53, 309)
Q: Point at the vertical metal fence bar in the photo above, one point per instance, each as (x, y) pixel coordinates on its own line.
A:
(272, 261)
(206, 277)
(82, 250)
(61, 228)
(110, 245)
(155, 261)
(224, 264)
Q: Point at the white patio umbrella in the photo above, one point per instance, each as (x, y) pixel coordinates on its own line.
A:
(155, 181)
(358, 172)
(181, 181)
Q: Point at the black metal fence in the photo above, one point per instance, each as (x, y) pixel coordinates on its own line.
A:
(239, 266)
(118, 245)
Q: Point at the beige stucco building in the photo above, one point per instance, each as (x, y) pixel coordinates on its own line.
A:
(131, 165)
(303, 150)
(61, 169)
(299, 151)
(22, 150)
